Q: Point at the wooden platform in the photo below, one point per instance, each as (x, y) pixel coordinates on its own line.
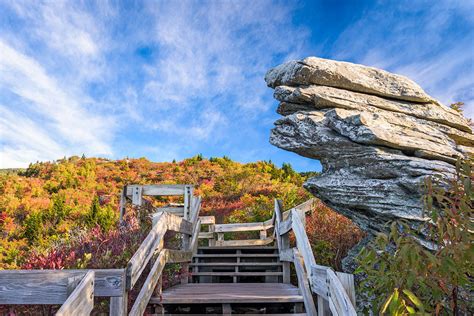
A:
(217, 293)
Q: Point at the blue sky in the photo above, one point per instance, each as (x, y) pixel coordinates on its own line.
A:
(167, 80)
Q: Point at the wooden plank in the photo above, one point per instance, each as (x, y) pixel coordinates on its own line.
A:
(236, 268)
(323, 306)
(278, 219)
(195, 208)
(137, 195)
(230, 293)
(178, 224)
(244, 243)
(319, 280)
(285, 226)
(185, 239)
(118, 306)
(258, 247)
(187, 202)
(240, 264)
(212, 241)
(305, 207)
(220, 237)
(51, 286)
(233, 273)
(81, 300)
(303, 283)
(241, 227)
(271, 221)
(302, 241)
(175, 256)
(226, 309)
(195, 237)
(206, 220)
(347, 281)
(206, 235)
(339, 301)
(171, 209)
(292, 314)
(286, 255)
(152, 243)
(232, 255)
(158, 189)
(149, 285)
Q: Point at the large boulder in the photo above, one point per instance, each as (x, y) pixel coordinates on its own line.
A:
(378, 135)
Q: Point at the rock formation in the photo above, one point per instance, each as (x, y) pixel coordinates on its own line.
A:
(378, 135)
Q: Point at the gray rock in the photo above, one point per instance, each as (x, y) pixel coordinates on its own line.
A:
(378, 136)
(353, 77)
(323, 97)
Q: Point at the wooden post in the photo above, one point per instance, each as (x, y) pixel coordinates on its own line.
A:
(158, 308)
(137, 195)
(226, 309)
(323, 307)
(212, 229)
(118, 305)
(220, 238)
(284, 240)
(347, 281)
(235, 278)
(123, 203)
(303, 283)
(185, 238)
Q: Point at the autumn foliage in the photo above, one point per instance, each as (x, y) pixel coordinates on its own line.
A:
(64, 214)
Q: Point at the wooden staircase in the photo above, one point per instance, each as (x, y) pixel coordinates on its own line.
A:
(225, 275)
(233, 280)
(258, 264)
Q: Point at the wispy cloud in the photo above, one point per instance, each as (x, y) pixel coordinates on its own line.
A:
(190, 73)
(416, 39)
(45, 73)
(169, 79)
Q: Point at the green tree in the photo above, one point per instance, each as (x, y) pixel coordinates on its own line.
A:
(33, 227)
(104, 217)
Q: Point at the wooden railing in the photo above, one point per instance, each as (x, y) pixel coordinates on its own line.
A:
(334, 290)
(74, 290)
(219, 230)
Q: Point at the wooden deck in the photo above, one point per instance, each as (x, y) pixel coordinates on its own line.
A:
(217, 293)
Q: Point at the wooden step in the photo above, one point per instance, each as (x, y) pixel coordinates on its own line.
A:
(230, 273)
(233, 264)
(234, 255)
(286, 314)
(229, 293)
(238, 248)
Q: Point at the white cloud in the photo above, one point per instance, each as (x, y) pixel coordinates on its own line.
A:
(51, 106)
(209, 50)
(24, 141)
(417, 39)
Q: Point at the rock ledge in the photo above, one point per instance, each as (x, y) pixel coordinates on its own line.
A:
(378, 135)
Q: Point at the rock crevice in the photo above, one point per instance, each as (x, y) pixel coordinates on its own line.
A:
(378, 135)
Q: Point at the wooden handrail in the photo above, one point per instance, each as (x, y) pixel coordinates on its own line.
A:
(323, 280)
(81, 300)
(75, 289)
(153, 243)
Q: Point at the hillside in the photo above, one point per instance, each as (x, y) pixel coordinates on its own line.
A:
(56, 214)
